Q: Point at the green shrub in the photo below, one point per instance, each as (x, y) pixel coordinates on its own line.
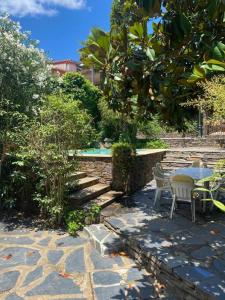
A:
(157, 144)
(123, 154)
(115, 126)
(81, 89)
(76, 219)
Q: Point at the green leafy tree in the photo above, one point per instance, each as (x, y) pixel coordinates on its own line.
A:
(79, 88)
(24, 77)
(97, 51)
(212, 100)
(149, 73)
(62, 125)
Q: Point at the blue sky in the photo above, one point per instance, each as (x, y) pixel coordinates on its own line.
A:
(59, 25)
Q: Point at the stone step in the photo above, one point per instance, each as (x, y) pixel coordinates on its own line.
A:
(80, 197)
(182, 163)
(86, 182)
(211, 154)
(77, 175)
(105, 241)
(104, 199)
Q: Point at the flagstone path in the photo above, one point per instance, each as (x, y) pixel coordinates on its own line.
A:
(49, 265)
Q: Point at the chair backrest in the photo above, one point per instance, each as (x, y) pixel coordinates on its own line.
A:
(159, 167)
(198, 163)
(159, 178)
(182, 187)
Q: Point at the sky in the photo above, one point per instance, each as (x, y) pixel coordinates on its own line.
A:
(59, 25)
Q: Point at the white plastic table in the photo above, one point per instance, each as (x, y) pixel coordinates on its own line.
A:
(195, 173)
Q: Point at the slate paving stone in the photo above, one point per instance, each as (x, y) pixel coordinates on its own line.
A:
(214, 286)
(54, 284)
(109, 293)
(203, 253)
(8, 280)
(100, 262)
(173, 261)
(14, 256)
(75, 262)
(13, 297)
(16, 240)
(33, 275)
(219, 264)
(135, 274)
(194, 274)
(72, 299)
(45, 242)
(54, 256)
(70, 241)
(143, 291)
(105, 278)
(116, 223)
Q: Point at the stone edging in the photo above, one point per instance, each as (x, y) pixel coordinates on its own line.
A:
(183, 289)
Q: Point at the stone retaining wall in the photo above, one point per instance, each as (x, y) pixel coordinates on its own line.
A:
(141, 172)
(98, 167)
(194, 142)
(102, 167)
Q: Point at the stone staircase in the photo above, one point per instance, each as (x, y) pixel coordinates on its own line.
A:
(183, 157)
(85, 191)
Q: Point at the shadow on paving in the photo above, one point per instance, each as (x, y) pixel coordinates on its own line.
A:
(191, 254)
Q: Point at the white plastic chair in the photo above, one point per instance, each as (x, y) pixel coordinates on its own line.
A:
(182, 187)
(159, 168)
(162, 184)
(198, 163)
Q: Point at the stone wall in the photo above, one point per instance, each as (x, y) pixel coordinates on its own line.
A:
(141, 172)
(98, 167)
(194, 142)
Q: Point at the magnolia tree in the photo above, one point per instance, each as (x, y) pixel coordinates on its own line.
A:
(24, 77)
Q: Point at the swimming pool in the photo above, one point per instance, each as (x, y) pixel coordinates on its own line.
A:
(103, 151)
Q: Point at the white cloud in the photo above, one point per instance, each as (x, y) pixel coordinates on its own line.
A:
(38, 7)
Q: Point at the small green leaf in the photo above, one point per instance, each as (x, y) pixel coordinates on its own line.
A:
(215, 62)
(219, 204)
(150, 53)
(201, 190)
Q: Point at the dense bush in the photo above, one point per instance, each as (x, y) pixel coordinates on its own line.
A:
(212, 99)
(115, 126)
(122, 155)
(76, 219)
(24, 81)
(79, 88)
(157, 144)
(62, 126)
(152, 129)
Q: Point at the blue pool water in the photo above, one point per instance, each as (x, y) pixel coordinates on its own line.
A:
(101, 151)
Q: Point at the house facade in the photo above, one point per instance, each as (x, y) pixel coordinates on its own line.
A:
(63, 66)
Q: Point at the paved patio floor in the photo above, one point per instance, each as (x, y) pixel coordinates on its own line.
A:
(36, 264)
(190, 254)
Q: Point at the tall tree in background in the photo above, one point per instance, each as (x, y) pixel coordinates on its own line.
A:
(159, 71)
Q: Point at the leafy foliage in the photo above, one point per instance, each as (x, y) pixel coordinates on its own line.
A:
(157, 144)
(62, 126)
(145, 74)
(24, 78)
(115, 125)
(123, 154)
(79, 88)
(212, 100)
(76, 219)
(214, 181)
